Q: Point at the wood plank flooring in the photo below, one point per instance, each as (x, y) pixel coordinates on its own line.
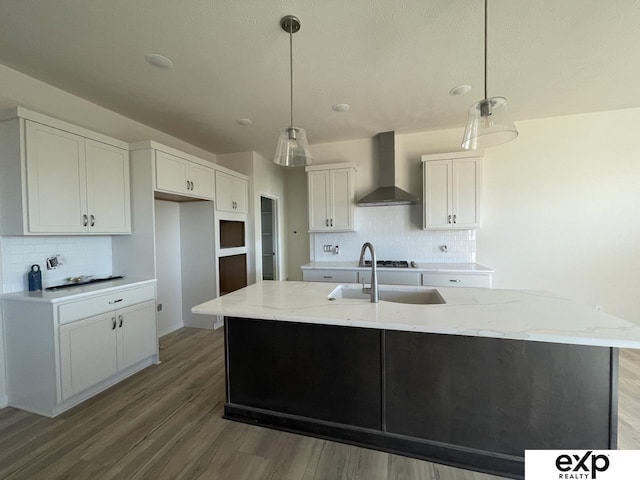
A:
(165, 422)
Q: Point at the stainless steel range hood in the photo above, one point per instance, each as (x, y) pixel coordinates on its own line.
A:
(387, 193)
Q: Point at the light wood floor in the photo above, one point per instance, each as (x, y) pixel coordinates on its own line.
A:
(165, 422)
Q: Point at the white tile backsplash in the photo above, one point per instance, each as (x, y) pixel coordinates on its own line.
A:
(396, 236)
(79, 255)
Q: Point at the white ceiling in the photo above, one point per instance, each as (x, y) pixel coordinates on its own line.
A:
(393, 61)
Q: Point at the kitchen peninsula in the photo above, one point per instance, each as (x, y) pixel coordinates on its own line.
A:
(472, 382)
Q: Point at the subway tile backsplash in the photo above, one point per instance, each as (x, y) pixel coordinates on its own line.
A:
(79, 255)
(396, 234)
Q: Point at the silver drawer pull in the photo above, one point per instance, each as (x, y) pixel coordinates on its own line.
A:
(111, 302)
(454, 280)
(327, 276)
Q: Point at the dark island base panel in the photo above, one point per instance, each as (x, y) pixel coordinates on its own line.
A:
(470, 402)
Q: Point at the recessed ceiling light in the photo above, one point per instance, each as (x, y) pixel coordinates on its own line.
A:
(159, 61)
(460, 90)
(341, 107)
(245, 121)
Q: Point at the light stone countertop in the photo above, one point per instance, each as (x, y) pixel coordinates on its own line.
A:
(422, 267)
(77, 292)
(481, 312)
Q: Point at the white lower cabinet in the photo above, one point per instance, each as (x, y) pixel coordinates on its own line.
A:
(63, 351)
(322, 275)
(391, 278)
(482, 280)
(98, 347)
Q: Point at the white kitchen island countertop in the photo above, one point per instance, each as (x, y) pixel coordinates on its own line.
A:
(422, 267)
(481, 312)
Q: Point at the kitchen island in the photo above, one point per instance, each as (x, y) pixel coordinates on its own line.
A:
(472, 382)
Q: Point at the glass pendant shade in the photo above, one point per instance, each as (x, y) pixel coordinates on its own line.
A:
(488, 124)
(293, 149)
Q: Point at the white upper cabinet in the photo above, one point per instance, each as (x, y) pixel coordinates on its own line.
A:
(231, 193)
(452, 184)
(331, 197)
(58, 180)
(184, 177)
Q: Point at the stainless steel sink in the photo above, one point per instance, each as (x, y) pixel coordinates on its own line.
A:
(390, 293)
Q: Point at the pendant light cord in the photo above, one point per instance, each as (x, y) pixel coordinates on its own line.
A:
(291, 66)
(485, 49)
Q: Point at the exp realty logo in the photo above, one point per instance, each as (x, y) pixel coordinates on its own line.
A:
(581, 464)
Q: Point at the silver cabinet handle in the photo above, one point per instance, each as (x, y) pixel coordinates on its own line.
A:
(111, 302)
(93, 220)
(331, 223)
(121, 320)
(326, 222)
(85, 220)
(113, 323)
(191, 185)
(454, 280)
(449, 220)
(454, 218)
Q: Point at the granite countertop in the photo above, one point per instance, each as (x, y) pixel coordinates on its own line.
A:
(481, 312)
(77, 292)
(422, 267)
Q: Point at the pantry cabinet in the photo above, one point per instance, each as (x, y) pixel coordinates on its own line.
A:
(452, 185)
(58, 180)
(62, 348)
(231, 193)
(181, 176)
(331, 191)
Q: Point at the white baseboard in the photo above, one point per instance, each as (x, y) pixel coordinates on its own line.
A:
(169, 329)
(201, 321)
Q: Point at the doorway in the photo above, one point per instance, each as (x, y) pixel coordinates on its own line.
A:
(269, 230)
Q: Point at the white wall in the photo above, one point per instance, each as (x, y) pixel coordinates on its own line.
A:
(168, 266)
(561, 204)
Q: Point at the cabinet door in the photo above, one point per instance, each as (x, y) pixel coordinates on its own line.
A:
(240, 195)
(437, 194)
(108, 203)
(87, 352)
(56, 180)
(319, 191)
(341, 217)
(466, 193)
(171, 173)
(202, 179)
(136, 333)
(224, 192)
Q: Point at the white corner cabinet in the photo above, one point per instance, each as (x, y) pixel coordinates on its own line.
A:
(62, 351)
(231, 192)
(332, 203)
(59, 179)
(451, 190)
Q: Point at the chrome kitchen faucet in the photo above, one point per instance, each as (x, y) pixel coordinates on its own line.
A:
(373, 290)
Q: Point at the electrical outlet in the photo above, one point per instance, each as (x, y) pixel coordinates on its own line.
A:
(159, 307)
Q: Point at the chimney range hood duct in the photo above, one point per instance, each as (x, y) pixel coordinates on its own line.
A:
(387, 193)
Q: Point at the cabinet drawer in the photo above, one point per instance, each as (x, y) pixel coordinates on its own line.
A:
(330, 276)
(72, 311)
(456, 280)
(391, 278)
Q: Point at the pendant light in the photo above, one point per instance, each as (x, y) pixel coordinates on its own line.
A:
(488, 123)
(293, 149)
